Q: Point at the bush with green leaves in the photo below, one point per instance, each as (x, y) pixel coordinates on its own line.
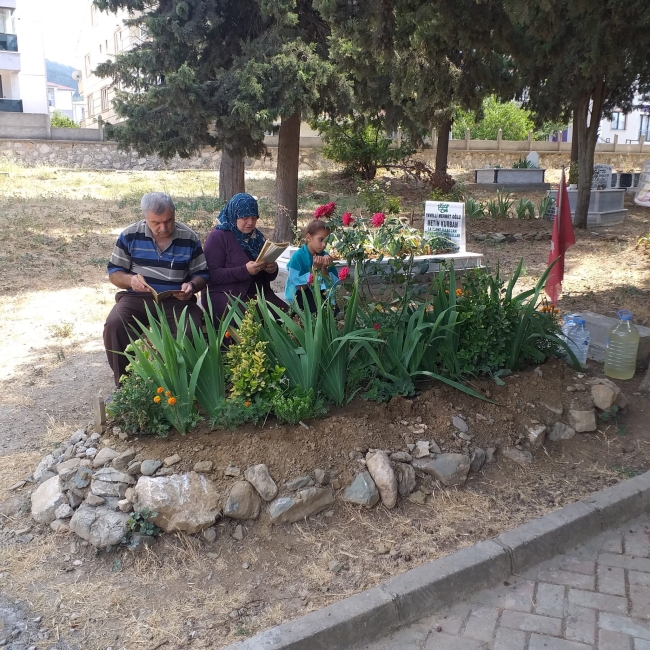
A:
(60, 120)
(234, 412)
(141, 521)
(297, 405)
(376, 198)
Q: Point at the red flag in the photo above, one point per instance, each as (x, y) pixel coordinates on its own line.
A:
(563, 237)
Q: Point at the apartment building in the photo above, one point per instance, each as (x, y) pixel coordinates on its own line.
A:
(22, 62)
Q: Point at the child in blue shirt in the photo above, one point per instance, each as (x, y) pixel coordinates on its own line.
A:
(305, 261)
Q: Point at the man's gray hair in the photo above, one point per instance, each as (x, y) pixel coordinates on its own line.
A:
(156, 202)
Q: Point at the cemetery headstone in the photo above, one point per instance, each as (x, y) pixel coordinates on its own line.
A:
(446, 220)
(533, 157)
(602, 178)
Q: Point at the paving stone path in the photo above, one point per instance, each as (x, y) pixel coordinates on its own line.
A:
(596, 597)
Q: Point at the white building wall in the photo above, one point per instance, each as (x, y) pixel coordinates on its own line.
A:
(33, 86)
(629, 133)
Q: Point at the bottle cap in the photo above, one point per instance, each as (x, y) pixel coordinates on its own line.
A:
(624, 314)
(579, 320)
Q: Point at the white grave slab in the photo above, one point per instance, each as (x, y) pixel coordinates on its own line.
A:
(447, 220)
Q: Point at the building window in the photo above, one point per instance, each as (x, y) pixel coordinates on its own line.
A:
(89, 101)
(105, 104)
(94, 16)
(118, 41)
(618, 121)
(88, 64)
(144, 33)
(100, 48)
(50, 96)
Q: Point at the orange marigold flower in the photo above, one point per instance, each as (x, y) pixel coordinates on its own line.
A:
(157, 399)
(168, 393)
(247, 404)
(227, 334)
(171, 401)
(160, 390)
(459, 292)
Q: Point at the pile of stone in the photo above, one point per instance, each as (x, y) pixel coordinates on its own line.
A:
(508, 237)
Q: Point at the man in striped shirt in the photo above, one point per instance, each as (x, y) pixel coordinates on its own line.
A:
(169, 256)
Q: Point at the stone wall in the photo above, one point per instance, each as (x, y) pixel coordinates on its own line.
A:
(105, 155)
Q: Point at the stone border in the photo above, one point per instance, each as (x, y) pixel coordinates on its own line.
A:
(406, 598)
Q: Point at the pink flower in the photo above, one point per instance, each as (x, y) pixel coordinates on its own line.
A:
(378, 219)
(347, 219)
(377, 326)
(324, 210)
(343, 273)
(311, 279)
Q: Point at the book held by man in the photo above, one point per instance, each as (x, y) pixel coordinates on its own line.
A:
(271, 251)
(158, 296)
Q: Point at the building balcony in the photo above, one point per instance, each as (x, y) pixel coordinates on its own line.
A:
(7, 4)
(8, 43)
(11, 105)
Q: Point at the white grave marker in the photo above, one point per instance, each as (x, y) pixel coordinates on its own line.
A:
(447, 220)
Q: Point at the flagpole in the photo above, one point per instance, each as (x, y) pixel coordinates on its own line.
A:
(558, 214)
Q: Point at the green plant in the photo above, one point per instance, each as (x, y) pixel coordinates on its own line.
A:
(61, 330)
(141, 521)
(473, 209)
(235, 411)
(492, 208)
(545, 204)
(525, 209)
(514, 121)
(360, 145)
(297, 405)
(133, 408)
(523, 163)
(504, 203)
(574, 173)
(61, 121)
(375, 197)
(382, 390)
(611, 415)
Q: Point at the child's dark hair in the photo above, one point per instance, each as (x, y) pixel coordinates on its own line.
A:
(315, 225)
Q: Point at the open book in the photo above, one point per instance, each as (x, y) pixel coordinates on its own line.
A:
(157, 296)
(270, 252)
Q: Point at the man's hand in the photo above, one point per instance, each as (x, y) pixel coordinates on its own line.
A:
(254, 268)
(186, 292)
(136, 285)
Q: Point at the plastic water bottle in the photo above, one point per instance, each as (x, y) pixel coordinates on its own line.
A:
(578, 339)
(567, 326)
(622, 348)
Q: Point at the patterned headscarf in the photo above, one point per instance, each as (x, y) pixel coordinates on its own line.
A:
(240, 206)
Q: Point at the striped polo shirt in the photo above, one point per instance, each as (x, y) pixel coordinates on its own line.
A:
(136, 252)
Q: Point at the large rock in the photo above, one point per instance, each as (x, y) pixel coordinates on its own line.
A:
(103, 456)
(477, 460)
(561, 431)
(123, 460)
(150, 467)
(383, 475)
(449, 469)
(45, 468)
(109, 482)
(523, 458)
(101, 526)
(421, 449)
(186, 502)
(604, 396)
(46, 498)
(405, 475)
(362, 491)
(583, 421)
(258, 476)
(68, 468)
(536, 434)
(304, 503)
(243, 502)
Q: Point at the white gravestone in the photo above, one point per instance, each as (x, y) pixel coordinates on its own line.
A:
(447, 220)
(602, 178)
(533, 157)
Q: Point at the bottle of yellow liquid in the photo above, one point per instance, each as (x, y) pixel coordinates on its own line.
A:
(622, 347)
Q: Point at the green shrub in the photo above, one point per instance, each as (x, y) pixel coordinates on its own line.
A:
(235, 412)
(504, 203)
(298, 405)
(523, 163)
(473, 209)
(61, 121)
(141, 522)
(375, 197)
(525, 209)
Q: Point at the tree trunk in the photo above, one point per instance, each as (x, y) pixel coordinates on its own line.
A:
(286, 214)
(574, 139)
(442, 147)
(587, 138)
(231, 175)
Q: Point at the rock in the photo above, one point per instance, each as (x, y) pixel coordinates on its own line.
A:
(305, 503)
(68, 468)
(45, 469)
(64, 511)
(459, 423)
(536, 434)
(258, 476)
(60, 526)
(108, 482)
(150, 467)
(561, 431)
(465, 436)
(518, 456)
(621, 400)
(418, 497)
(74, 499)
(94, 500)
(165, 471)
(580, 387)
(335, 566)
(539, 372)
(140, 541)
(604, 396)
(103, 456)
(489, 455)
(123, 460)
(383, 475)
(401, 457)
(583, 421)
(421, 449)
(362, 491)
(558, 409)
(434, 448)
(210, 535)
(172, 460)
(204, 466)
(477, 460)
(46, 498)
(134, 468)
(299, 483)
(449, 469)
(405, 475)
(243, 502)
(184, 502)
(322, 477)
(100, 526)
(232, 471)
(78, 436)
(124, 505)
(91, 452)
(239, 533)
(80, 481)
(130, 495)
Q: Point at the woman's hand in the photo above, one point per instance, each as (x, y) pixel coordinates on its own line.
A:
(271, 267)
(254, 268)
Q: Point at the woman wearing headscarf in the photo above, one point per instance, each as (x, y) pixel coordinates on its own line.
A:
(231, 250)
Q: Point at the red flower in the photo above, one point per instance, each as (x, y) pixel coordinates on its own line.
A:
(378, 219)
(324, 210)
(343, 273)
(347, 219)
(377, 326)
(311, 279)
